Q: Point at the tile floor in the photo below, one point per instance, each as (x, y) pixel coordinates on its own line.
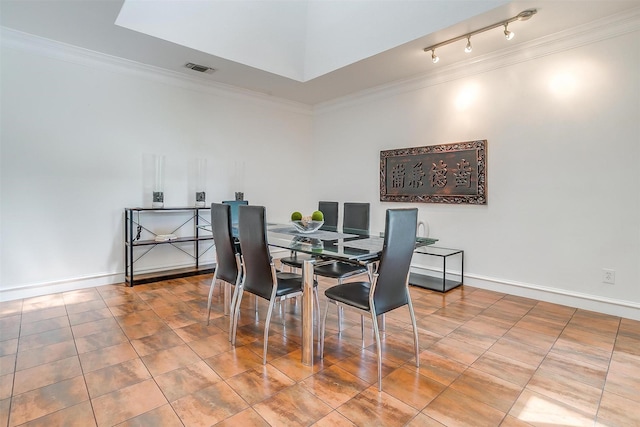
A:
(144, 356)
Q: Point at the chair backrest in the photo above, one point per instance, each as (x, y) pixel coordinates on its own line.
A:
(234, 209)
(226, 266)
(399, 244)
(330, 211)
(255, 250)
(355, 219)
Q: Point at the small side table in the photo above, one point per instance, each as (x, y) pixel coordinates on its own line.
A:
(448, 281)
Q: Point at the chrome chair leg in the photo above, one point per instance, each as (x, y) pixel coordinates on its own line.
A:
(415, 330)
(323, 326)
(232, 314)
(234, 300)
(213, 284)
(376, 332)
(317, 308)
(266, 330)
(340, 313)
(255, 298)
(235, 317)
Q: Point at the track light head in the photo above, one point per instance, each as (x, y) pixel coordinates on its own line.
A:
(509, 35)
(434, 58)
(468, 48)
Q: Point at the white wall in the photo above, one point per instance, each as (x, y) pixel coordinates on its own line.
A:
(76, 132)
(563, 176)
(560, 117)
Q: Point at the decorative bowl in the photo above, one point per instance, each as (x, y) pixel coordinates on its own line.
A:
(307, 226)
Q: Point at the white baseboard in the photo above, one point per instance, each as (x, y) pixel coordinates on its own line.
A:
(72, 284)
(614, 307)
(75, 283)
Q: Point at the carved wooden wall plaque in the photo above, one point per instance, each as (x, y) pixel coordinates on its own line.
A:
(446, 173)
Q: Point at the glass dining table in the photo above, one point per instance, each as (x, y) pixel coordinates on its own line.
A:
(353, 246)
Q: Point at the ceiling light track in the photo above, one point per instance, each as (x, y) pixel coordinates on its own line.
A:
(522, 16)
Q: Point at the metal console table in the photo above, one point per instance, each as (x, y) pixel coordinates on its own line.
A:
(133, 232)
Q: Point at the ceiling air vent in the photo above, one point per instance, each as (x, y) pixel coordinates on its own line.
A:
(200, 68)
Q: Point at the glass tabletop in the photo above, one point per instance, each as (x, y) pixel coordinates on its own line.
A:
(353, 245)
(330, 244)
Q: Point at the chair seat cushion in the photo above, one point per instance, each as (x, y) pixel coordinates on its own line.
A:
(355, 294)
(289, 283)
(337, 270)
(295, 261)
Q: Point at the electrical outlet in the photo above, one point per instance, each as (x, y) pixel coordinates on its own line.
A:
(608, 276)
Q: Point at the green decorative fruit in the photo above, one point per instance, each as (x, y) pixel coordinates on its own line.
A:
(296, 216)
(317, 216)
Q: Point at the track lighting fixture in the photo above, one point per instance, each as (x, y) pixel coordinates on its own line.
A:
(468, 48)
(508, 34)
(522, 16)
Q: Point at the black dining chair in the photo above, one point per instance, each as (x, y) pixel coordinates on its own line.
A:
(355, 221)
(389, 287)
(227, 259)
(259, 274)
(355, 218)
(330, 212)
(235, 204)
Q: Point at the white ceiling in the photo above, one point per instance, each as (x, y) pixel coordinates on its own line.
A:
(301, 39)
(309, 51)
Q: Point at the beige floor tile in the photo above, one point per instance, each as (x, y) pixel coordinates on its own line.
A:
(126, 403)
(186, 380)
(453, 408)
(163, 416)
(153, 343)
(334, 385)
(573, 393)
(6, 386)
(488, 389)
(617, 410)
(543, 411)
(107, 356)
(374, 408)
(44, 375)
(50, 353)
(209, 405)
(169, 359)
(504, 367)
(408, 385)
(115, 377)
(80, 415)
(43, 339)
(333, 419)
(234, 362)
(292, 406)
(47, 400)
(44, 325)
(100, 340)
(8, 346)
(260, 383)
(440, 368)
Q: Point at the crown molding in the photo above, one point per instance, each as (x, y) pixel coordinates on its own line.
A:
(599, 30)
(17, 40)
